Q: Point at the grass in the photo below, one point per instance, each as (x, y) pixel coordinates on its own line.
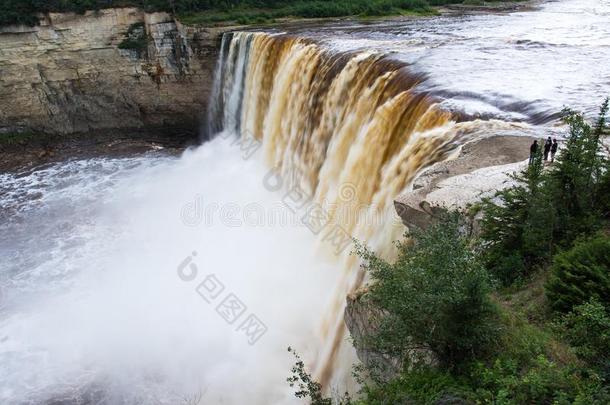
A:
(528, 298)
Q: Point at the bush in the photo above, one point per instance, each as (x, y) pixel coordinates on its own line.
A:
(307, 387)
(579, 274)
(544, 382)
(434, 296)
(135, 39)
(24, 11)
(577, 179)
(587, 329)
(420, 386)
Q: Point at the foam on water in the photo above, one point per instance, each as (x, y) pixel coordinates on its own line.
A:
(100, 313)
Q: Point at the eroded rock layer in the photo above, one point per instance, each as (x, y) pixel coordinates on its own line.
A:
(115, 68)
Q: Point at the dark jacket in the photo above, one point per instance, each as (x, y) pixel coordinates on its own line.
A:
(554, 147)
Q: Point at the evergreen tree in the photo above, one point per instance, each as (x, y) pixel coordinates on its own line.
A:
(517, 229)
(579, 178)
(525, 225)
(580, 274)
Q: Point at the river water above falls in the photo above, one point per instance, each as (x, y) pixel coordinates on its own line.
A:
(157, 279)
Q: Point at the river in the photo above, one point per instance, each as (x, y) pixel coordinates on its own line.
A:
(156, 279)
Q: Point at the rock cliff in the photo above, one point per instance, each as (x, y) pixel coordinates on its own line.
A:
(76, 73)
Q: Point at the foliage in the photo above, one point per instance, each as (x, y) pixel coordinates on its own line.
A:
(434, 296)
(576, 178)
(526, 224)
(205, 11)
(474, 2)
(135, 39)
(307, 387)
(421, 386)
(581, 273)
(543, 382)
(587, 329)
(517, 231)
(529, 366)
(10, 138)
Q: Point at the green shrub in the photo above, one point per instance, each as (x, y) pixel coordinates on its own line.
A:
(307, 387)
(19, 138)
(206, 11)
(543, 382)
(473, 2)
(576, 180)
(435, 295)
(579, 274)
(587, 329)
(517, 226)
(420, 386)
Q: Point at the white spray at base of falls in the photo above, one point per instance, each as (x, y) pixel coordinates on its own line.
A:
(108, 317)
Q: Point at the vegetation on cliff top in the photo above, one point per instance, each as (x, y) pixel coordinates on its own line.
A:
(209, 11)
(519, 313)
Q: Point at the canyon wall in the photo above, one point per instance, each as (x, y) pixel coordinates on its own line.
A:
(69, 74)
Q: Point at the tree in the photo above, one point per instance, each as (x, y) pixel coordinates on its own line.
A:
(525, 225)
(579, 274)
(579, 178)
(517, 226)
(433, 297)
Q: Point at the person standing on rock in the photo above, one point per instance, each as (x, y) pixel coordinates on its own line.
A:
(554, 149)
(547, 148)
(533, 150)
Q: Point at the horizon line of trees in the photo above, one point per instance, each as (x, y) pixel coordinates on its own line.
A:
(26, 11)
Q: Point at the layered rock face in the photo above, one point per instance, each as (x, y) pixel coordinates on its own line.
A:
(69, 75)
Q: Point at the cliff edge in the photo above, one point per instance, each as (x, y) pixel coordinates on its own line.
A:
(114, 68)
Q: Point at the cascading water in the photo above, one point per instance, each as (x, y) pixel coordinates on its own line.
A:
(348, 131)
(101, 298)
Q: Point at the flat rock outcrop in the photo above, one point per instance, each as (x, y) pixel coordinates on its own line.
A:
(481, 168)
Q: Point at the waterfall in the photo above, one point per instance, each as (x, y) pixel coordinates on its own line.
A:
(349, 130)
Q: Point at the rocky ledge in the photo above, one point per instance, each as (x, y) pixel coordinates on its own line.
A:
(481, 168)
(115, 68)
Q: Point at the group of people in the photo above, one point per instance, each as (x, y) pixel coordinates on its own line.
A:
(550, 147)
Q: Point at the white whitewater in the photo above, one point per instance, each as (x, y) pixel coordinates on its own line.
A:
(97, 304)
(101, 314)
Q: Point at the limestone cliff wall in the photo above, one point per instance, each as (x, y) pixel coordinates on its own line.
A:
(69, 75)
